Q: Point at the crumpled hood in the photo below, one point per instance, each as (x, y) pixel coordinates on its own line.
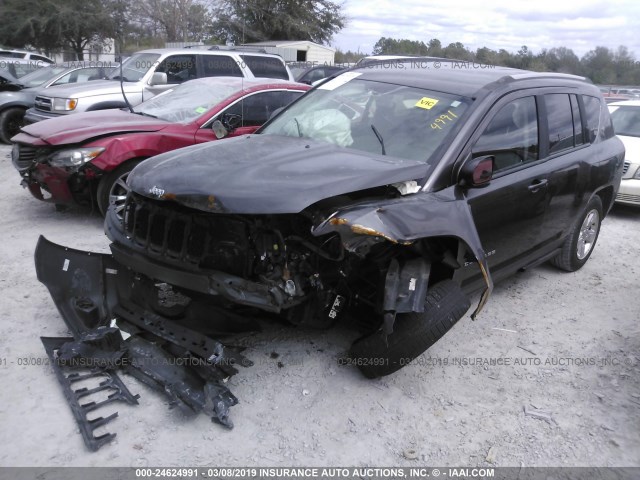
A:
(80, 127)
(257, 174)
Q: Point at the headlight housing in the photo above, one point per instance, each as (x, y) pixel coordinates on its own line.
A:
(64, 104)
(74, 157)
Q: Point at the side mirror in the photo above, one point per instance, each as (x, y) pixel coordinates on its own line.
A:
(226, 124)
(477, 172)
(218, 129)
(159, 78)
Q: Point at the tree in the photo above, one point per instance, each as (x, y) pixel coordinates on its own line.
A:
(176, 20)
(348, 56)
(598, 65)
(242, 21)
(457, 51)
(51, 24)
(391, 46)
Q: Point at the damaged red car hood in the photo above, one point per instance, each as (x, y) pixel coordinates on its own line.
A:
(80, 127)
(265, 174)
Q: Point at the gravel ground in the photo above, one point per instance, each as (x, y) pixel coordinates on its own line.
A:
(569, 345)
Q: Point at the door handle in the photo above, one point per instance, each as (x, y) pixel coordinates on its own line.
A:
(537, 185)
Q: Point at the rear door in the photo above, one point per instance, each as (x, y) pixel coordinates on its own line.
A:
(566, 152)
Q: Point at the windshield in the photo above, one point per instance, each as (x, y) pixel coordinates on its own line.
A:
(135, 67)
(381, 118)
(37, 78)
(626, 121)
(186, 102)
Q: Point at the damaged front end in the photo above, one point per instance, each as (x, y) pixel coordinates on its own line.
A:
(180, 277)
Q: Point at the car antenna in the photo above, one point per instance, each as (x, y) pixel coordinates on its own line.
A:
(126, 100)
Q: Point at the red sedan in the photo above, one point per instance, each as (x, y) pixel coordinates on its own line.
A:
(85, 158)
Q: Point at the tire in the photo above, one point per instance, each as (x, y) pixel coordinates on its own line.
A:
(581, 241)
(113, 184)
(10, 122)
(413, 333)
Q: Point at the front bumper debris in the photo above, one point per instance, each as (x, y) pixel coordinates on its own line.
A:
(165, 350)
(110, 383)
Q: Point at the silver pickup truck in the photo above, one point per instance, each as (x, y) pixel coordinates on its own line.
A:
(150, 72)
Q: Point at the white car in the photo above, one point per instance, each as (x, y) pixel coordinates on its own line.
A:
(626, 124)
(26, 55)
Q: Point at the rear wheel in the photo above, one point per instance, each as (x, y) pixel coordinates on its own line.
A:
(579, 244)
(113, 188)
(10, 122)
(413, 333)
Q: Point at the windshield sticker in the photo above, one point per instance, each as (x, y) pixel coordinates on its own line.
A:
(455, 103)
(339, 81)
(444, 119)
(200, 110)
(426, 103)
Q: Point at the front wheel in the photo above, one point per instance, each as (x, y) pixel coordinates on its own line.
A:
(580, 242)
(413, 333)
(11, 120)
(113, 188)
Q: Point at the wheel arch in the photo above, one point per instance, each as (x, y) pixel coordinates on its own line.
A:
(606, 195)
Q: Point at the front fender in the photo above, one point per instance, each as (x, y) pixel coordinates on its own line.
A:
(408, 219)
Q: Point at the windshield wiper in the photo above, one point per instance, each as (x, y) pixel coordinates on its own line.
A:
(379, 137)
(298, 126)
(145, 114)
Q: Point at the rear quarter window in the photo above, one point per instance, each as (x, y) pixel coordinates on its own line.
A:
(219, 66)
(598, 120)
(265, 67)
(560, 121)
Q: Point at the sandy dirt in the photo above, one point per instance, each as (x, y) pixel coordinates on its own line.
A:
(571, 341)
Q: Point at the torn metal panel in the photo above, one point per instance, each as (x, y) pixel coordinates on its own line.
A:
(74, 396)
(406, 220)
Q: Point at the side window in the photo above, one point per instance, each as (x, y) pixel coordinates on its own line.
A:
(82, 75)
(592, 114)
(314, 75)
(578, 133)
(512, 135)
(560, 122)
(39, 58)
(219, 65)
(179, 68)
(265, 67)
(256, 109)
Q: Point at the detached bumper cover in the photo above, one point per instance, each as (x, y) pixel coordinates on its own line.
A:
(91, 291)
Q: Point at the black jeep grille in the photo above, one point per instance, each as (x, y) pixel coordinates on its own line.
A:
(188, 237)
(625, 168)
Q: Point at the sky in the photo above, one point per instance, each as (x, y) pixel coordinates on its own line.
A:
(509, 24)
